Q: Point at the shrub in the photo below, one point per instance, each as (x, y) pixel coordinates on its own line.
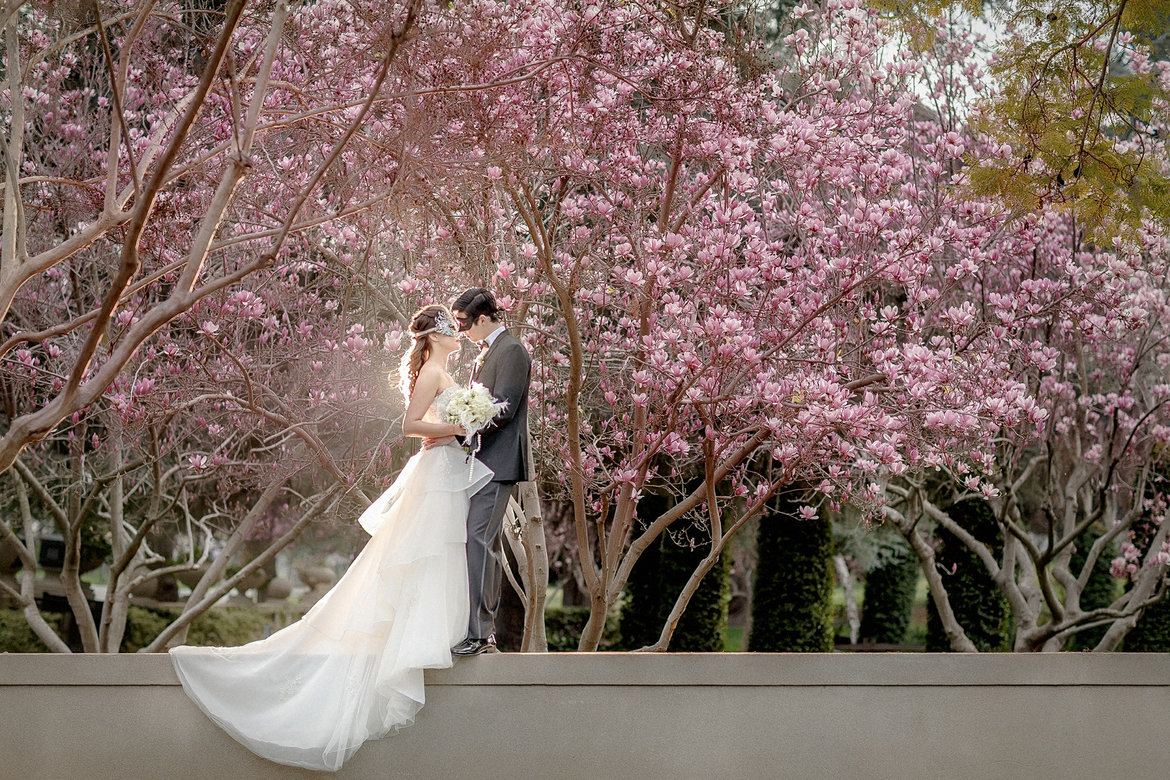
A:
(702, 627)
(889, 598)
(1152, 632)
(221, 627)
(17, 637)
(659, 577)
(1100, 589)
(643, 612)
(229, 627)
(979, 606)
(563, 626)
(224, 627)
(792, 600)
(142, 626)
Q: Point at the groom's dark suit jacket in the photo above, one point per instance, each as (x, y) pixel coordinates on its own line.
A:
(506, 372)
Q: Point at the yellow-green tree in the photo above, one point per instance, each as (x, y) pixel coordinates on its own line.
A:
(1080, 104)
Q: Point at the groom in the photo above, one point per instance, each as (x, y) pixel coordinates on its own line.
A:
(504, 368)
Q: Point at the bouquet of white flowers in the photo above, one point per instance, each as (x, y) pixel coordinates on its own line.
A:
(473, 407)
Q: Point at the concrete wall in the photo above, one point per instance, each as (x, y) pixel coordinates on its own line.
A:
(1064, 716)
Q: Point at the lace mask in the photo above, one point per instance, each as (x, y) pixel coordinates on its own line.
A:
(444, 326)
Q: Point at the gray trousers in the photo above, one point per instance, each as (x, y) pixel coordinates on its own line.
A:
(485, 570)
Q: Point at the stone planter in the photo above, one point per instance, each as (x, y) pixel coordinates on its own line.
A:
(146, 590)
(9, 557)
(254, 580)
(279, 588)
(191, 577)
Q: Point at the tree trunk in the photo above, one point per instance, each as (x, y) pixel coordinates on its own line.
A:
(595, 627)
(845, 580)
(28, 560)
(536, 552)
(978, 603)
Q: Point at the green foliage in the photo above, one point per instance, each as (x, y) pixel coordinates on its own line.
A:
(1152, 632)
(792, 599)
(229, 627)
(95, 545)
(889, 598)
(978, 604)
(17, 637)
(563, 627)
(1100, 589)
(702, 628)
(220, 627)
(644, 611)
(142, 626)
(655, 583)
(223, 627)
(1069, 103)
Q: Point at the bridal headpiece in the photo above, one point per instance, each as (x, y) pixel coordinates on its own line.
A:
(444, 326)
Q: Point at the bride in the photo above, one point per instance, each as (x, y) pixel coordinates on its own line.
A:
(352, 668)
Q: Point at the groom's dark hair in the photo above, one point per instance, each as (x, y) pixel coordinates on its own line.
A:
(478, 301)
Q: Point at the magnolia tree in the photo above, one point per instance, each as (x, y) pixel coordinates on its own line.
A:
(740, 278)
(236, 359)
(230, 359)
(1085, 326)
(738, 275)
(249, 403)
(1091, 474)
(726, 268)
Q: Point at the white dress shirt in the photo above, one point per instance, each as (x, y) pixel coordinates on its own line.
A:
(495, 334)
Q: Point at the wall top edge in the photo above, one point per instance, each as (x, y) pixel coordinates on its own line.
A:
(673, 669)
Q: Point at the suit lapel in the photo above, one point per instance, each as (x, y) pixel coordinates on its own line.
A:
(491, 351)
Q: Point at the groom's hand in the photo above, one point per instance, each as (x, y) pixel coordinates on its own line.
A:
(439, 442)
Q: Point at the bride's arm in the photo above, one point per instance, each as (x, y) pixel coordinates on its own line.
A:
(425, 389)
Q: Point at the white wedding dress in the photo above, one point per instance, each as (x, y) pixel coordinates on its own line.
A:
(352, 668)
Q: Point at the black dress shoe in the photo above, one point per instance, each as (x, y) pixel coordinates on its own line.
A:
(473, 646)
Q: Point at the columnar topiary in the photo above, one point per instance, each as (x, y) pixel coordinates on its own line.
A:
(703, 626)
(657, 579)
(792, 599)
(643, 611)
(889, 598)
(1100, 589)
(979, 605)
(1151, 634)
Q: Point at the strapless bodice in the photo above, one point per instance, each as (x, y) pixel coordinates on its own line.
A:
(438, 409)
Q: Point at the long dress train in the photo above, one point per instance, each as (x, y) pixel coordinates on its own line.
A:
(352, 668)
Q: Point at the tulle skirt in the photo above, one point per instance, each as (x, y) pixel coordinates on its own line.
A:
(352, 668)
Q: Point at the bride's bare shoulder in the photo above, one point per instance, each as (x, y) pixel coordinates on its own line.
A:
(436, 377)
(430, 382)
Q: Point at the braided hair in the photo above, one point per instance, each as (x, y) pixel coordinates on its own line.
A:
(422, 324)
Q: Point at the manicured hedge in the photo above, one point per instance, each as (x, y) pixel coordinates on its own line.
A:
(889, 598)
(792, 599)
(979, 606)
(225, 627)
(1100, 589)
(655, 582)
(644, 611)
(221, 627)
(1152, 632)
(232, 626)
(17, 637)
(563, 627)
(703, 625)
